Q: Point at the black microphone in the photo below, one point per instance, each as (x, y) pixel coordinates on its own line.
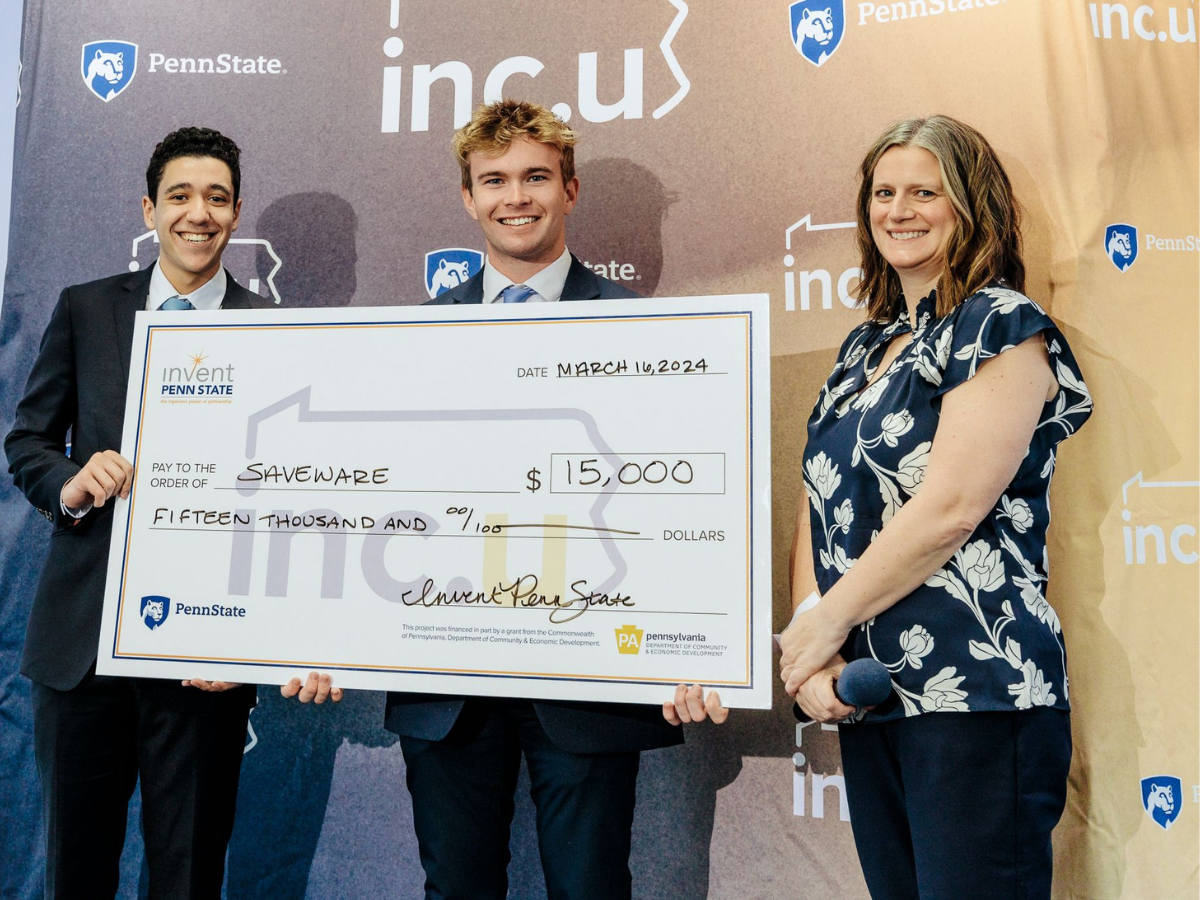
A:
(864, 682)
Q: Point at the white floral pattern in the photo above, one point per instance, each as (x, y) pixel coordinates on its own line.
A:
(982, 622)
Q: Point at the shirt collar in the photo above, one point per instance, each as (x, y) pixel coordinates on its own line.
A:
(208, 296)
(926, 313)
(548, 282)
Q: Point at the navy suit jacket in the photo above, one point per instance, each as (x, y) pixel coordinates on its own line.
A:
(573, 726)
(77, 387)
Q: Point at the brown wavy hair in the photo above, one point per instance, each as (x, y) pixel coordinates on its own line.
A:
(496, 125)
(985, 242)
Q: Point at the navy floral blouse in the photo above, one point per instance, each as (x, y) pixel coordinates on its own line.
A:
(979, 633)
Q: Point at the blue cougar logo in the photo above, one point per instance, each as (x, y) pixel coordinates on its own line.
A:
(1161, 795)
(450, 267)
(817, 28)
(1121, 245)
(108, 67)
(155, 610)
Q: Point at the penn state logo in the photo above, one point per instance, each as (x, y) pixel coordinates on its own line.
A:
(450, 267)
(1162, 798)
(108, 67)
(817, 28)
(1121, 245)
(155, 610)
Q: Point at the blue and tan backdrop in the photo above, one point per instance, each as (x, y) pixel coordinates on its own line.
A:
(720, 140)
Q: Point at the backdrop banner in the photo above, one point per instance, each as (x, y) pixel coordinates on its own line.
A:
(719, 150)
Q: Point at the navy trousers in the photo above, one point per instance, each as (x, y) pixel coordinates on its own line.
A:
(462, 791)
(951, 806)
(93, 743)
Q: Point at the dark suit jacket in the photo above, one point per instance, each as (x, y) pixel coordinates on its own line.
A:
(574, 727)
(77, 385)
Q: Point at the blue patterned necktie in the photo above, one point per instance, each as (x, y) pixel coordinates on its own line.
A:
(517, 293)
(177, 303)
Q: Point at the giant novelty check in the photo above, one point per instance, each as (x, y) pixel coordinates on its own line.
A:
(566, 500)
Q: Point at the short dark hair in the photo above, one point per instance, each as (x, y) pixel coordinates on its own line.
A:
(192, 141)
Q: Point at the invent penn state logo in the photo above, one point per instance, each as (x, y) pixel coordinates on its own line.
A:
(108, 67)
(155, 610)
(629, 639)
(1121, 245)
(817, 28)
(450, 267)
(1162, 797)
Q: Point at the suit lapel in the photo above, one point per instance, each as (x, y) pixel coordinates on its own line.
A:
(581, 283)
(472, 290)
(126, 305)
(236, 296)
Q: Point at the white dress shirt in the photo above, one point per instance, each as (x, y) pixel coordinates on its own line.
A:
(208, 296)
(548, 282)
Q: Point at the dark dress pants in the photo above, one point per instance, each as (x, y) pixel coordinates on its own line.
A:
(951, 806)
(462, 791)
(93, 742)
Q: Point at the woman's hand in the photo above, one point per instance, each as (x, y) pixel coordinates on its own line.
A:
(690, 705)
(808, 644)
(818, 698)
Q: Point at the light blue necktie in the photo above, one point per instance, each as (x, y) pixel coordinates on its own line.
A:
(177, 303)
(517, 293)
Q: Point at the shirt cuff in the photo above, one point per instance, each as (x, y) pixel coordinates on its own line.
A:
(68, 511)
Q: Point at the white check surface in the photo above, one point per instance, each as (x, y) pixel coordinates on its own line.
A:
(563, 501)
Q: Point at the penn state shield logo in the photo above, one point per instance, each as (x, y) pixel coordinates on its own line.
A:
(1121, 245)
(817, 28)
(450, 267)
(1162, 798)
(155, 610)
(108, 67)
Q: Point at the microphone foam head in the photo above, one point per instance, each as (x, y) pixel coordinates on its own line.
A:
(864, 682)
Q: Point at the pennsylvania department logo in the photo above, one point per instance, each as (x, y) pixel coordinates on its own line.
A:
(1121, 245)
(629, 639)
(108, 67)
(817, 28)
(155, 610)
(450, 267)
(1161, 798)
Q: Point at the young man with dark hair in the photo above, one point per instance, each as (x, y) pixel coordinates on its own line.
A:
(463, 753)
(95, 736)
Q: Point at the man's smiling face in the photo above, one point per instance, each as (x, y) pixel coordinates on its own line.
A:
(194, 215)
(521, 203)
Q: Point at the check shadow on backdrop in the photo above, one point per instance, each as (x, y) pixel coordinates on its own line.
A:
(619, 219)
(314, 236)
(289, 763)
(1099, 458)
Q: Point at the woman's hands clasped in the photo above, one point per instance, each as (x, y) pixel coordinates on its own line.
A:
(809, 644)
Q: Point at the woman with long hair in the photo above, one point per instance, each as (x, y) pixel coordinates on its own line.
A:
(927, 471)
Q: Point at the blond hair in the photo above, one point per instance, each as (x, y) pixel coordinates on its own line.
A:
(496, 125)
(985, 242)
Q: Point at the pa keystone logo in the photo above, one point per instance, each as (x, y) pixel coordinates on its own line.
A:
(817, 28)
(449, 267)
(108, 67)
(155, 610)
(1161, 798)
(629, 639)
(1121, 245)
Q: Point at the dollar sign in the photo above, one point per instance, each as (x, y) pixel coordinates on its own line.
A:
(534, 481)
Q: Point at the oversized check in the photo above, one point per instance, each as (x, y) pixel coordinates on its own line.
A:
(567, 500)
